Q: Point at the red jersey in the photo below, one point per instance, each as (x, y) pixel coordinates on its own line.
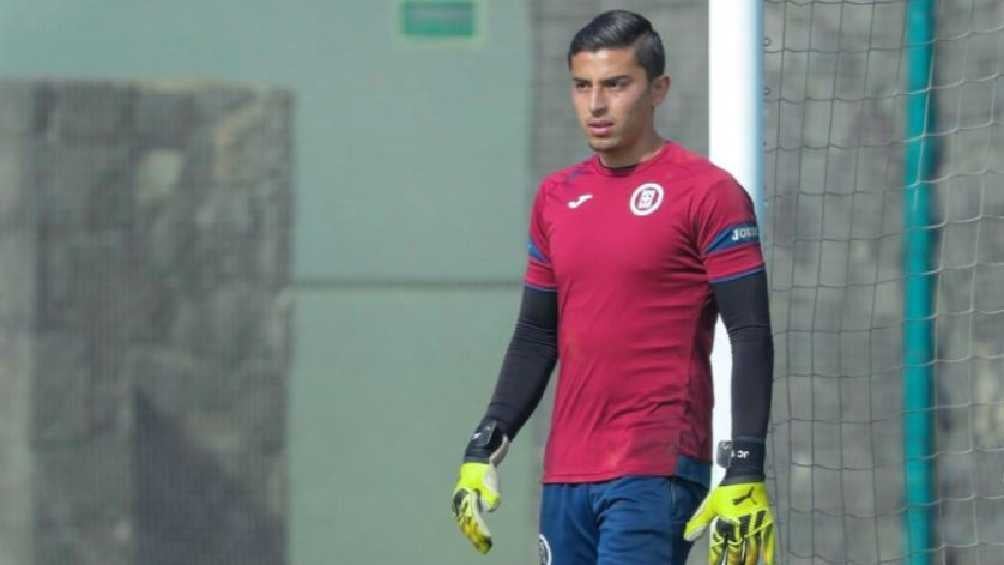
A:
(631, 257)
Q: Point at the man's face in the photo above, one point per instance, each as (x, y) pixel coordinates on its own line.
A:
(613, 98)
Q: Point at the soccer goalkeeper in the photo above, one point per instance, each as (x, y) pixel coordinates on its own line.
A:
(633, 253)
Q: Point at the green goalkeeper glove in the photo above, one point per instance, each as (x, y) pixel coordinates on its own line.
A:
(477, 489)
(739, 509)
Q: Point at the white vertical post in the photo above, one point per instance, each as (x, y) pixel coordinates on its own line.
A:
(735, 135)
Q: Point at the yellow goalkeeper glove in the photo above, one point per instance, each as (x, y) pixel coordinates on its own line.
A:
(743, 524)
(738, 510)
(477, 489)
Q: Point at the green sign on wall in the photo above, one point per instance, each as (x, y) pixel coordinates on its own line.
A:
(439, 19)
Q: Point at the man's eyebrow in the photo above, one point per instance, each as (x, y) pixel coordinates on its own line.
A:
(604, 79)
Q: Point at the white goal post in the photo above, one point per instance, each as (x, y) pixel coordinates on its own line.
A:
(735, 143)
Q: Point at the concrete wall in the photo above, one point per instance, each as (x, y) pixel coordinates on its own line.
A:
(146, 319)
(17, 313)
(410, 266)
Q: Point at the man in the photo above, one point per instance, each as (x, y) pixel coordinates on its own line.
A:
(633, 253)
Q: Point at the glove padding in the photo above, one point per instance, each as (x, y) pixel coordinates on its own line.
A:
(477, 491)
(743, 524)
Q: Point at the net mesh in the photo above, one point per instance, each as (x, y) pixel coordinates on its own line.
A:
(835, 141)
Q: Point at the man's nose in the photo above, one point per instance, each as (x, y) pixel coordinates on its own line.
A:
(597, 102)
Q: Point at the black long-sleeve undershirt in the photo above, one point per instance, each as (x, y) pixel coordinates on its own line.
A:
(528, 362)
(533, 352)
(743, 305)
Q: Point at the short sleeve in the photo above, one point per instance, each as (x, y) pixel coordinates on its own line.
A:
(727, 235)
(539, 271)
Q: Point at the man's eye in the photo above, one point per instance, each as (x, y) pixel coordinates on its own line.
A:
(581, 86)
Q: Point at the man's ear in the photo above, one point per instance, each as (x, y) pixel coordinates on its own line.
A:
(660, 88)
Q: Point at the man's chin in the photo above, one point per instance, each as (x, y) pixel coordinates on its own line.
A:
(603, 144)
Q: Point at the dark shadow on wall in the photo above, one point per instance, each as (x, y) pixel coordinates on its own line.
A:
(188, 510)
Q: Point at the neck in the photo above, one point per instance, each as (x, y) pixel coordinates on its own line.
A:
(643, 150)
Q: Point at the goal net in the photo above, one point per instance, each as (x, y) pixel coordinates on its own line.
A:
(836, 140)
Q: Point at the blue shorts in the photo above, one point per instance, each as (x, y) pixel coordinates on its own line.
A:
(635, 520)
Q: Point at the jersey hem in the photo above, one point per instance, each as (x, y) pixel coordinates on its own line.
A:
(608, 475)
(683, 466)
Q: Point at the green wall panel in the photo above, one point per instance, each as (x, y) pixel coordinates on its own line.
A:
(387, 387)
(412, 158)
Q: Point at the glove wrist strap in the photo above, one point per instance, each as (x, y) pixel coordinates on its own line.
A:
(744, 460)
(486, 441)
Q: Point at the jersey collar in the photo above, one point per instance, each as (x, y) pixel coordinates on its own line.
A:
(602, 169)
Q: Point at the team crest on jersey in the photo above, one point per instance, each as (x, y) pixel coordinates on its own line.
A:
(646, 199)
(543, 550)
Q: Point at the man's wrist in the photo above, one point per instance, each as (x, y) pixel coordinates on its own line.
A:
(487, 438)
(745, 460)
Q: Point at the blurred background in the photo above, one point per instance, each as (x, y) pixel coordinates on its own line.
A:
(261, 261)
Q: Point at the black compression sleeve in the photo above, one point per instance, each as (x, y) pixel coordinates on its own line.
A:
(528, 362)
(744, 308)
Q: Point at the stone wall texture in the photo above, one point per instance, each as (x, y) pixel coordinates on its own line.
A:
(144, 322)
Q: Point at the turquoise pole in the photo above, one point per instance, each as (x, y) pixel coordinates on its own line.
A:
(918, 300)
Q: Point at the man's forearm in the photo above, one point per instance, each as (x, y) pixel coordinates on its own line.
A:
(752, 379)
(528, 363)
(743, 304)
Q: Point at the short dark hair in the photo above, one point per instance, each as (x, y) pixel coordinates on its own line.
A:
(621, 28)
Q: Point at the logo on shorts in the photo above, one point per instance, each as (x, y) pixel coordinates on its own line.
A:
(646, 199)
(543, 550)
